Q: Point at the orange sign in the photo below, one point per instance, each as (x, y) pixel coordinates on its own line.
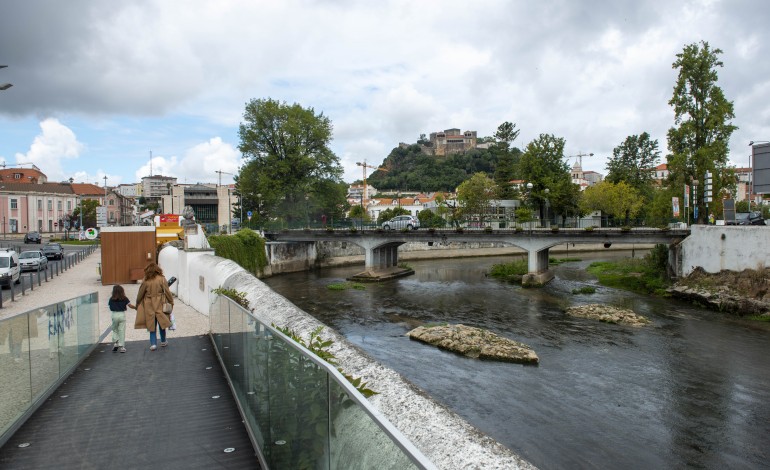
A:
(169, 218)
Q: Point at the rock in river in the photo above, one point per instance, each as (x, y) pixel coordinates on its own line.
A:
(475, 343)
(607, 314)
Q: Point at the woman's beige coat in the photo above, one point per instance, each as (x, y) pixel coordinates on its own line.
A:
(149, 304)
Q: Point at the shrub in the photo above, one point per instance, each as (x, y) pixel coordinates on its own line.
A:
(246, 248)
(589, 228)
(237, 296)
(584, 290)
(488, 229)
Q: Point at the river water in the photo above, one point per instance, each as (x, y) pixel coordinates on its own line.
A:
(692, 389)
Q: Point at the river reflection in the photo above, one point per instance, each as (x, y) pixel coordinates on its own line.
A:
(693, 389)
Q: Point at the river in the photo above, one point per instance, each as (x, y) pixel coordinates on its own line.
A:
(692, 389)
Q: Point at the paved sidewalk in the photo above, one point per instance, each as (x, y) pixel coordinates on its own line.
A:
(84, 278)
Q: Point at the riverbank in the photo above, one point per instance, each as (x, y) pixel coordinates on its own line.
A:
(737, 293)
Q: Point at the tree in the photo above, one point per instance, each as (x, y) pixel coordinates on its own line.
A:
(543, 165)
(700, 137)
(89, 212)
(430, 219)
(614, 199)
(507, 158)
(633, 162)
(358, 212)
(389, 213)
(287, 160)
(475, 195)
(506, 134)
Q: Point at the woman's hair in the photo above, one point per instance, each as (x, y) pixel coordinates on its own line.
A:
(151, 271)
(118, 293)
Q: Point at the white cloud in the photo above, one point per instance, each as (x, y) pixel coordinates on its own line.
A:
(199, 164)
(55, 143)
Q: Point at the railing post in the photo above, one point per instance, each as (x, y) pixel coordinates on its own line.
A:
(31, 282)
(21, 281)
(13, 297)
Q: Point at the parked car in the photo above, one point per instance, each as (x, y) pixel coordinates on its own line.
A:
(747, 218)
(401, 222)
(33, 237)
(9, 267)
(32, 260)
(53, 251)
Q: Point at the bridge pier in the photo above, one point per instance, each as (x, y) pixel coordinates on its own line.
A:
(381, 262)
(537, 265)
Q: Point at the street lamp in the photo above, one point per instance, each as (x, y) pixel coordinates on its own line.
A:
(307, 214)
(547, 203)
(529, 202)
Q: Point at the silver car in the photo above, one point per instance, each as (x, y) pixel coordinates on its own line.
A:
(33, 260)
(401, 222)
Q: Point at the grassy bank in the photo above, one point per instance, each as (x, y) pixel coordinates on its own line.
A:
(643, 275)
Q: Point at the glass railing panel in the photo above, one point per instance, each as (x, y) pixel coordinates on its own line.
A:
(15, 392)
(254, 395)
(87, 321)
(218, 317)
(299, 409)
(38, 347)
(44, 348)
(356, 440)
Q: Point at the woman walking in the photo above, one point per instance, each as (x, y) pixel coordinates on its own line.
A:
(118, 304)
(153, 293)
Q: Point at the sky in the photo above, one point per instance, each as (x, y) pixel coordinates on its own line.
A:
(138, 87)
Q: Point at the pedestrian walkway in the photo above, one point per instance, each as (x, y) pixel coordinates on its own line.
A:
(170, 408)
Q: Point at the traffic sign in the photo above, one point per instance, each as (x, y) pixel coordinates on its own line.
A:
(248, 214)
(91, 233)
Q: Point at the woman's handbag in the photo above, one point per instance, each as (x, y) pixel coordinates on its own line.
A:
(168, 308)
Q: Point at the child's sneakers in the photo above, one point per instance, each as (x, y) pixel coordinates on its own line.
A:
(122, 350)
(115, 347)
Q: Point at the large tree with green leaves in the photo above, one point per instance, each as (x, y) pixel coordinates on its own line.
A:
(701, 134)
(507, 158)
(475, 196)
(543, 165)
(633, 162)
(618, 200)
(287, 160)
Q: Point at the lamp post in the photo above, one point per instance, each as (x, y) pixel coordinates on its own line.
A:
(259, 206)
(529, 202)
(307, 213)
(547, 203)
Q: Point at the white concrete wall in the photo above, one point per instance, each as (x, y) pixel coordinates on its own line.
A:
(717, 248)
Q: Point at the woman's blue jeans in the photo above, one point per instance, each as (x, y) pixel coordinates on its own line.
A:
(153, 337)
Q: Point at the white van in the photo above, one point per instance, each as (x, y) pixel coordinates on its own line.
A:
(10, 271)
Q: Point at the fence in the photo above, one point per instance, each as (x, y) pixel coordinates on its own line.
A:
(38, 350)
(300, 411)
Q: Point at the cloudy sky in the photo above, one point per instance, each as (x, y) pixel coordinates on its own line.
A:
(100, 87)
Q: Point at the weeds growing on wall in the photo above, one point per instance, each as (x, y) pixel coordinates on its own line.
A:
(237, 296)
(245, 247)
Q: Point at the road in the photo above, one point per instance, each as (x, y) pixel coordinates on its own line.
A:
(54, 268)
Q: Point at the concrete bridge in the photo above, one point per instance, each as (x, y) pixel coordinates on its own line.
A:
(381, 246)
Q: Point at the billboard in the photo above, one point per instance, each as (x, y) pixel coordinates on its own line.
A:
(760, 156)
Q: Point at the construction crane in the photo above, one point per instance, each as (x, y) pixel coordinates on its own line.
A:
(580, 156)
(364, 167)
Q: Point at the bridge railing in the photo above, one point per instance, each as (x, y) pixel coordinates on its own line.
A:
(301, 412)
(38, 350)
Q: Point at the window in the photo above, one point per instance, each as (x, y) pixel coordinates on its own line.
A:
(17, 176)
(40, 204)
(69, 206)
(14, 204)
(58, 205)
(50, 205)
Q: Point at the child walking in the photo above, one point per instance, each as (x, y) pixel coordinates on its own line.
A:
(118, 304)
